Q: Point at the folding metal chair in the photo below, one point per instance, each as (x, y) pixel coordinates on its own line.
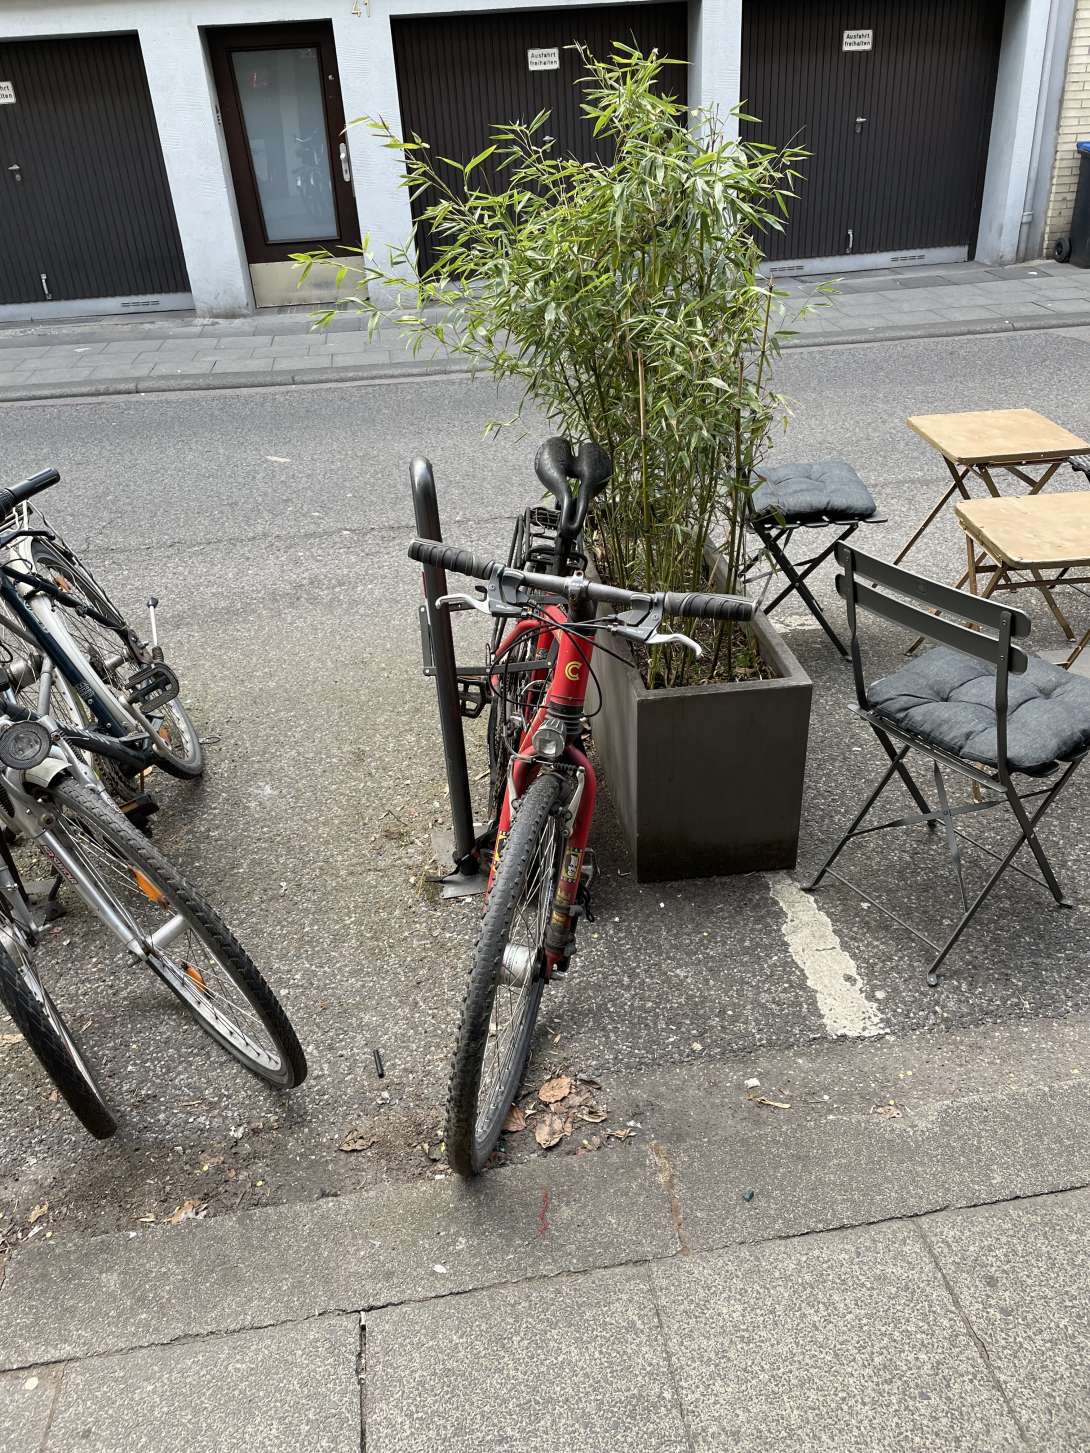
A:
(977, 705)
(790, 497)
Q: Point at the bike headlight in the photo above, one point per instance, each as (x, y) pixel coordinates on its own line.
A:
(23, 745)
(549, 743)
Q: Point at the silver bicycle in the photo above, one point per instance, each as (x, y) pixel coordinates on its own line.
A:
(53, 804)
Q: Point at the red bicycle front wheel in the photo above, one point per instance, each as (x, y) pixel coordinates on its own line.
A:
(507, 979)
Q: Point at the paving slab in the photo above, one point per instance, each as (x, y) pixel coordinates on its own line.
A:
(393, 1244)
(573, 1363)
(842, 1343)
(857, 1133)
(26, 1405)
(1022, 1278)
(289, 1389)
(242, 364)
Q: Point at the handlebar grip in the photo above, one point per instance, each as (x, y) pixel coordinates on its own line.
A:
(10, 497)
(449, 557)
(708, 607)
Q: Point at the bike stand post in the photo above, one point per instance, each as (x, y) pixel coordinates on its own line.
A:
(465, 880)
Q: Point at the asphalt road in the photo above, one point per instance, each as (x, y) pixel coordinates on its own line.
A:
(272, 525)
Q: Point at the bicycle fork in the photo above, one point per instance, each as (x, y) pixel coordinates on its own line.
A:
(566, 909)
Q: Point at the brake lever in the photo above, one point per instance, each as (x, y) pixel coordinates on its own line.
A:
(675, 638)
(642, 625)
(466, 602)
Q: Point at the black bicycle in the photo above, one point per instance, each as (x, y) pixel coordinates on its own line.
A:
(75, 654)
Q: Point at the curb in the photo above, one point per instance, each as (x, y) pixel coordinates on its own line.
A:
(968, 328)
(217, 382)
(378, 373)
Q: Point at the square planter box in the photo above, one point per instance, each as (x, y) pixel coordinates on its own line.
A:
(707, 779)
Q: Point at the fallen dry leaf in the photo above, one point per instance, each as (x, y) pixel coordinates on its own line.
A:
(767, 1103)
(619, 1134)
(558, 1088)
(358, 1139)
(592, 1112)
(887, 1112)
(549, 1130)
(185, 1212)
(515, 1121)
(592, 1142)
(37, 1213)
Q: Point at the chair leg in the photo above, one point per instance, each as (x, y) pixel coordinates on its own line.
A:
(898, 760)
(883, 783)
(798, 584)
(1027, 835)
(1027, 824)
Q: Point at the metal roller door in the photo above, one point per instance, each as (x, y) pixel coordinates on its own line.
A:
(461, 75)
(893, 98)
(86, 212)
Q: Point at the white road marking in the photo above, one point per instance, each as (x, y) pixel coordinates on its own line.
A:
(830, 972)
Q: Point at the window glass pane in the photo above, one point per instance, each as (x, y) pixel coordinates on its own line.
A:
(281, 96)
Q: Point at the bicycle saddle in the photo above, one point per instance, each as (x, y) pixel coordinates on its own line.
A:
(555, 464)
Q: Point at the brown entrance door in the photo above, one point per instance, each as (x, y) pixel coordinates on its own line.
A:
(283, 122)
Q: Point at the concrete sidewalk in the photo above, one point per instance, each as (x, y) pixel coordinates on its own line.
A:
(882, 1249)
(152, 354)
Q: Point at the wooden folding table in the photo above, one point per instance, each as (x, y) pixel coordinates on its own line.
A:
(1044, 537)
(1017, 442)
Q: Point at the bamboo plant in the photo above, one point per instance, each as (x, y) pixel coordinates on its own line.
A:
(623, 295)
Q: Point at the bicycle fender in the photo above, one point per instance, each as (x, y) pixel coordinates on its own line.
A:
(46, 772)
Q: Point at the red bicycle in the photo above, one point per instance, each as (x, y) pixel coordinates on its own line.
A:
(544, 784)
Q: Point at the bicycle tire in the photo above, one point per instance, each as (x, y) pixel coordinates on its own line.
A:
(468, 1145)
(186, 758)
(101, 824)
(38, 1020)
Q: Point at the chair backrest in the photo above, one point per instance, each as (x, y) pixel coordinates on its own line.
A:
(902, 598)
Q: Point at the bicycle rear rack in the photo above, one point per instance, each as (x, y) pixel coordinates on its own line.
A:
(459, 693)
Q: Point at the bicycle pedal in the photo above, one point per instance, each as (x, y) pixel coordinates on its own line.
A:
(142, 807)
(152, 686)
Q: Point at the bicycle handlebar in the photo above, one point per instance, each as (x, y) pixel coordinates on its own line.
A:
(694, 606)
(15, 494)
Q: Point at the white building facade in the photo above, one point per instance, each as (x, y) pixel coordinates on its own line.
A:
(161, 154)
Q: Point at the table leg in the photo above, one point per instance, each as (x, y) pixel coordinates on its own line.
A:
(1035, 485)
(958, 485)
(970, 550)
(1084, 641)
(1045, 587)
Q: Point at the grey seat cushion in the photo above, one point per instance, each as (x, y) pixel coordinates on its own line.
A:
(949, 699)
(806, 494)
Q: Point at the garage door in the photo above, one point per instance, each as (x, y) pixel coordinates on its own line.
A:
(893, 99)
(86, 212)
(461, 76)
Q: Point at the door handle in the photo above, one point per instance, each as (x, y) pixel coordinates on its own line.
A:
(346, 170)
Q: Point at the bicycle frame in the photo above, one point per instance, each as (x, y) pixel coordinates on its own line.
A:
(30, 818)
(564, 701)
(57, 648)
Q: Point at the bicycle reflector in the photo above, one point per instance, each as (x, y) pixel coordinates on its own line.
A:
(23, 745)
